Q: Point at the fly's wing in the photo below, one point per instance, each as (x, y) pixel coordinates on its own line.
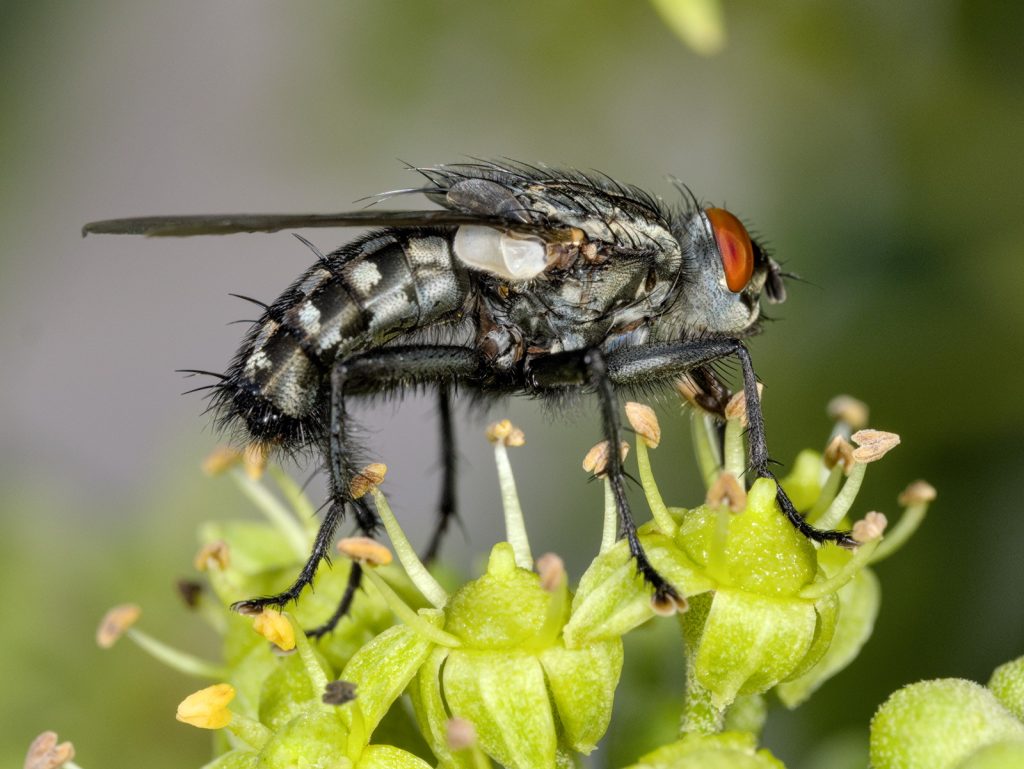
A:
(226, 224)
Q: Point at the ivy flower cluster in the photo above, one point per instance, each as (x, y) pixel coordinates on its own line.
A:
(515, 666)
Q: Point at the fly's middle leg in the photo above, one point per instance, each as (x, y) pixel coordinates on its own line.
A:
(446, 506)
(590, 367)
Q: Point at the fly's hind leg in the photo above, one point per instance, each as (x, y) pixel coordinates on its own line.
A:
(392, 368)
(339, 474)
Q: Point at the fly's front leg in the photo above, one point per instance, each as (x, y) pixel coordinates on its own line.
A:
(650, 363)
(590, 367)
(760, 461)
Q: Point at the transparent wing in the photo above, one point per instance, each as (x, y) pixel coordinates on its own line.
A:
(226, 224)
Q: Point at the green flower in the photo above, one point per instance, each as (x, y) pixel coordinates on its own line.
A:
(492, 653)
(765, 604)
(727, 750)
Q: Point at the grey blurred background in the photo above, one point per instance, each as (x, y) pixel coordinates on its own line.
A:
(877, 146)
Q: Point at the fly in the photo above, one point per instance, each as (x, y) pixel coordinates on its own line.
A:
(527, 280)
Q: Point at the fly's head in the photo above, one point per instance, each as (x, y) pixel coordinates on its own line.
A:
(724, 274)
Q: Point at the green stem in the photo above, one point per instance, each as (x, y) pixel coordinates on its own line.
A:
(609, 533)
(296, 497)
(735, 459)
(828, 493)
(515, 526)
(409, 616)
(659, 511)
(314, 670)
(249, 730)
(174, 658)
(411, 562)
(901, 532)
(844, 499)
(704, 445)
(700, 714)
(860, 559)
(275, 512)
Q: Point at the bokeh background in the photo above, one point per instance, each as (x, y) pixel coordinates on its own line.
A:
(876, 145)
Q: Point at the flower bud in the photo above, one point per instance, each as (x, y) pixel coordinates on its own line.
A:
(1007, 684)
(925, 724)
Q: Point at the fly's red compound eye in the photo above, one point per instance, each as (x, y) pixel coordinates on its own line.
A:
(734, 246)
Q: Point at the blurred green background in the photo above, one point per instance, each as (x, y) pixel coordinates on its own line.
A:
(878, 147)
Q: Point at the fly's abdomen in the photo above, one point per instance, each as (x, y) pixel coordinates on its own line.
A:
(361, 296)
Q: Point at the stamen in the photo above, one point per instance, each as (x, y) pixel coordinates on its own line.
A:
(596, 460)
(408, 615)
(645, 422)
(45, 753)
(254, 459)
(861, 557)
(220, 460)
(659, 511)
(364, 550)
(726, 491)
(114, 624)
(915, 498)
(213, 556)
(503, 434)
(310, 661)
(872, 445)
(850, 411)
(610, 530)
(276, 628)
(705, 445)
(304, 510)
(119, 620)
(844, 499)
(275, 512)
(207, 708)
(870, 527)
(554, 581)
(839, 452)
(370, 477)
(421, 578)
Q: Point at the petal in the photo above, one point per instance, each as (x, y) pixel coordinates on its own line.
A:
(383, 668)
(505, 696)
(582, 683)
